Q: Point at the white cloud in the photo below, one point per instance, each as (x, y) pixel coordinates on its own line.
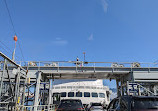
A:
(60, 42)
(105, 5)
(58, 38)
(90, 38)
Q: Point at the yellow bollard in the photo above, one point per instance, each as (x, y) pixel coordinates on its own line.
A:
(28, 80)
(18, 100)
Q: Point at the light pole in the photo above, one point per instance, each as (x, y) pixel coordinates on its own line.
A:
(84, 55)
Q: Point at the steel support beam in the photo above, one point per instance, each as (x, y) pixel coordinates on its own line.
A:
(50, 90)
(122, 85)
(38, 78)
(2, 77)
(23, 99)
(127, 87)
(17, 87)
(118, 87)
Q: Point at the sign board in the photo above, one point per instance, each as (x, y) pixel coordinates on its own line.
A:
(133, 88)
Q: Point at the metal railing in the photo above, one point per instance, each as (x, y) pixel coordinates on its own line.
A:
(88, 67)
(144, 91)
(9, 62)
(88, 64)
(140, 90)
(80, 87)
(39, 108)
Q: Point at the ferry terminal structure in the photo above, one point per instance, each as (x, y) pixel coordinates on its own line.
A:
(131, 78)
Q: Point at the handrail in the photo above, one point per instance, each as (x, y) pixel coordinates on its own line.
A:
(40, 107)
(11, 61)
(86, 61)
(146, 89)
(84, 87)
(83, 63)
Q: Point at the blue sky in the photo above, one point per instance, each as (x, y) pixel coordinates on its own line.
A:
(107, 30)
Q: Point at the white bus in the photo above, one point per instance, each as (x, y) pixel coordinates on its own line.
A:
(88, 91)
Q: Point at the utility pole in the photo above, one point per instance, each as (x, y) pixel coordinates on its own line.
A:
(15, 39)
(84, 55)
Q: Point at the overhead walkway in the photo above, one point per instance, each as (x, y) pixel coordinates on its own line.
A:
(91, 70)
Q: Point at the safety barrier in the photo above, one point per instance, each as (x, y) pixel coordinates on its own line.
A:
(88, 64)
(39, 108)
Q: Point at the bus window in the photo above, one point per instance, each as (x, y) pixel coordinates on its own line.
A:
(78, 94)
(86, 94)
(71, 94)
(101, 95)
(63, 94)
(94, 94)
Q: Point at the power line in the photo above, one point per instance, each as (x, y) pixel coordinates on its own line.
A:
(5, 50)
(5, 46)
(13, 27)
(10, 51)
(21, 51)
(10, 18)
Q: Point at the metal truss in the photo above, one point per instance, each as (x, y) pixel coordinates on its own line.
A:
(12, 84)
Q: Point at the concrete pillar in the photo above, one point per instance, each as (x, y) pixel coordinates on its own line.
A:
(38, 78)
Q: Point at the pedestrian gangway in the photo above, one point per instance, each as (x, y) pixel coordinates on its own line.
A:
(91, 70)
